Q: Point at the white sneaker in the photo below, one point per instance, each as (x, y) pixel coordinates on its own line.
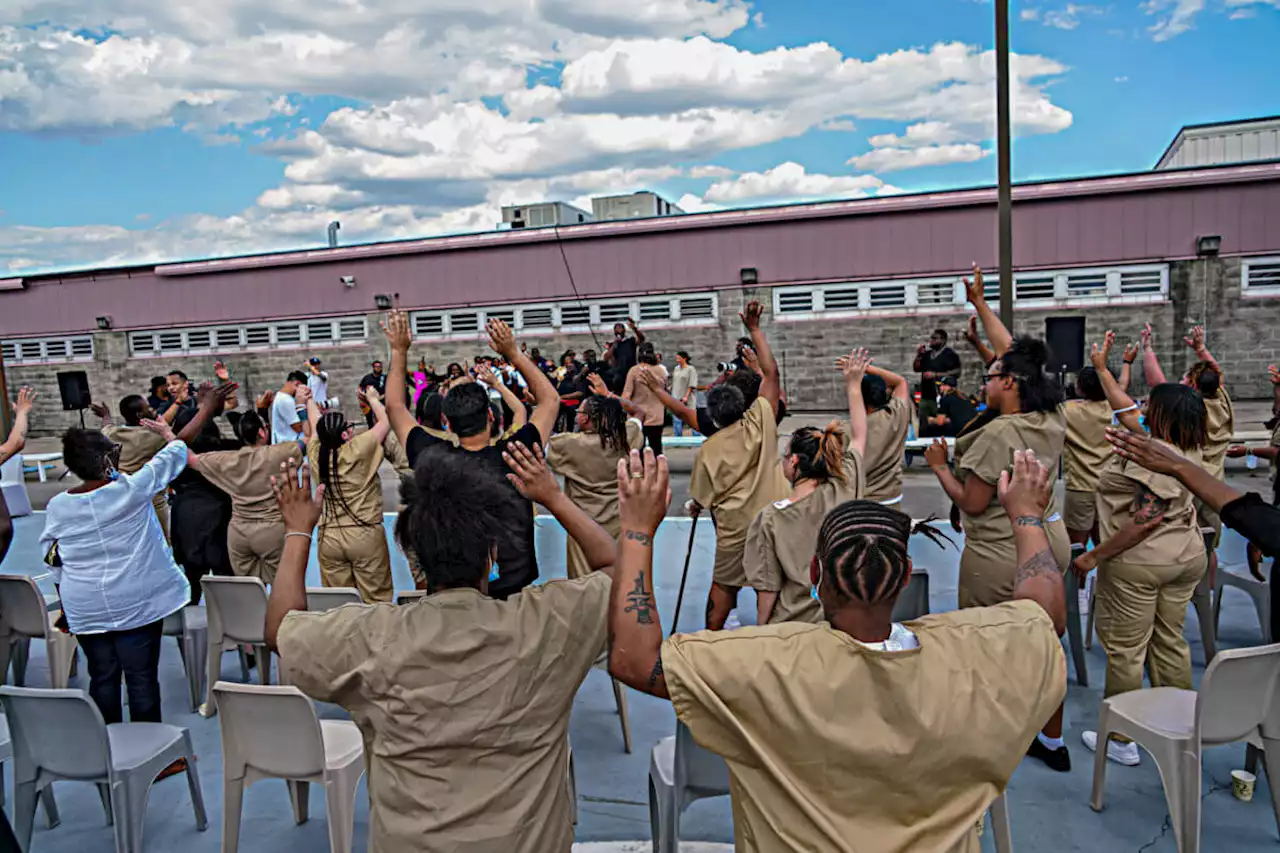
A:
(1121, 753)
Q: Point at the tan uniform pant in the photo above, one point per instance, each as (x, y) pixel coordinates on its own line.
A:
(161, 503)
(1140, 613)
(985, 581)
(255, 548)
(357, 557)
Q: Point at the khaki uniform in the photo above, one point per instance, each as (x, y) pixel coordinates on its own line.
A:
(1143, 593)
(255, 537)
(644, 397)
(833, 746)
(990, 559)
(591, 481)
(738, 472)
(886, 448)
(1221, 422)
(137, 446)
(1084, 454)
(783, 539)
(352, 548)
(463, 702)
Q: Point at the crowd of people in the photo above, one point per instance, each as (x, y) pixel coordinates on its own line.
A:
(464, 697)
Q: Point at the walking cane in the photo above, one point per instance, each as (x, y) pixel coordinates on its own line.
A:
(675, 619)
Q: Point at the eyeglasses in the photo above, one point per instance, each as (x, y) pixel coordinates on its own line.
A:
(989, 376)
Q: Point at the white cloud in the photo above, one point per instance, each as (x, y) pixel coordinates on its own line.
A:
(1122, 79)
(1175, 17)
(790, 182)
(1068, 17)
(924, 133)
(897, 159)
(1031, 14)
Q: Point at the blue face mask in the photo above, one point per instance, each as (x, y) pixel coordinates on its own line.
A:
(112, 474)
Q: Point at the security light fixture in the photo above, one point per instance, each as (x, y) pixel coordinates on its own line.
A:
(382, 301)
(104, 323)
(1207, 247)
(749, 275)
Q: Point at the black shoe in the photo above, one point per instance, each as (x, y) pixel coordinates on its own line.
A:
(1056, 759)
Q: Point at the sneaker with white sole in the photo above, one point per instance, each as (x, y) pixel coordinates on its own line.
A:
(1121, 753)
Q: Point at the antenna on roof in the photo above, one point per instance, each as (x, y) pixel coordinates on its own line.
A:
(333, 233)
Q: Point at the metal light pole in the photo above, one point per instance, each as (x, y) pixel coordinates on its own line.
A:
(1004, 190)
(6, 417)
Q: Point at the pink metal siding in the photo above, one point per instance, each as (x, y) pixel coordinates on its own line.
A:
(938, 234)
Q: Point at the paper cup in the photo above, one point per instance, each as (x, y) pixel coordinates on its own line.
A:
(1242, 782)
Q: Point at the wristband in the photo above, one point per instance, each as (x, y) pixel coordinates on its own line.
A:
(1129, 361)
(297, 533)
(1132, 408)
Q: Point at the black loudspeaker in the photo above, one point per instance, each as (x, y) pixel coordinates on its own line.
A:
(74, 388)
(1065, 339)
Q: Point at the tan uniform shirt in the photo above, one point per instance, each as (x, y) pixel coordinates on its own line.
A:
(1275, 442)
(1086, 449)
(783, 539)
(836, 747)
(989, 451)
(738, 472)
(591, 481)
(1177, 540)
(137, 446)
(1221, 417)
(886, 443)
(394, 453)
(645, 398)
(464, 704)
(245, 475)
(358, 463)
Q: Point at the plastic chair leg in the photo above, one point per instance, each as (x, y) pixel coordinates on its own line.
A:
(21, 655)
(1100, 755)
(232, 804)
(1190, 806)
(624, 715)
(214, 669)
(60, 648)
(24, 812)
(1074, 639)
(193, 655)
(340, 806)
(300, 800)
(1000, 825)
(664, 818)
(1271, 763)
(1088, 623)
(244, 664)
(1204, 615)
(193, 785)
(263, 655)
(104, 794)
(50, 807)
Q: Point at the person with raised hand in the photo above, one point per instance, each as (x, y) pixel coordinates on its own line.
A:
(17, 438)
(463, 699)
(468, 416)
(951, 698)
(1086, 450)
(825, 469)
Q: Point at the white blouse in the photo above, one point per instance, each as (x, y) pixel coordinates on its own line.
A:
(117, 570)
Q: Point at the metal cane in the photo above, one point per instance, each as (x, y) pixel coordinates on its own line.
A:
(675, 618)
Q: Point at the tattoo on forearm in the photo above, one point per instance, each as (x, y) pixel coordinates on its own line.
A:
(640, 602)
(636, 536)
(1028, 521)
(1042, 564)
(656, 673)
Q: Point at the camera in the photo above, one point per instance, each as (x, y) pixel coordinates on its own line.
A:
(724, 366)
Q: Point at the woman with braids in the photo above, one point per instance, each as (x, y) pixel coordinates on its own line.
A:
(353, 543)
(255, 536)
(1024, 412)
(857, 732)
(1151, 555)
(824, 468)
(588, 461)
(463, 699)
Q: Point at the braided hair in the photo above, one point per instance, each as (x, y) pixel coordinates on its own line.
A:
(329, 432)
(863, 545)
(819, 453)
(609, 421)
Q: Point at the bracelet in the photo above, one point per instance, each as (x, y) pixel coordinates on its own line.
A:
(297, 533)
(1129, 361)
(1132, 408)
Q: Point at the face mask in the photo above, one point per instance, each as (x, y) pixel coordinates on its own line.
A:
(111, 474)
(493, 573)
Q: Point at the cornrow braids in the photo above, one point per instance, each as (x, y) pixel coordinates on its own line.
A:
(864, 546)
(329, 432)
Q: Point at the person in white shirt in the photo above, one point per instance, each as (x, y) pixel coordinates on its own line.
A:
(318, 382)
(286, 422)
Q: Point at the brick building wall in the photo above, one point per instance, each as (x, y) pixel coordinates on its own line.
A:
(1244, 333)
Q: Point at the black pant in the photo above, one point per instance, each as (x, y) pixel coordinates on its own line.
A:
(135, 653)
(653, 438)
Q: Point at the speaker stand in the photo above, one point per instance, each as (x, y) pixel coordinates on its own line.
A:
(82, 419)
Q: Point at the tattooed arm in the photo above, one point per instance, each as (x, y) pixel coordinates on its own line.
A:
(635, 629)
(1025, 496)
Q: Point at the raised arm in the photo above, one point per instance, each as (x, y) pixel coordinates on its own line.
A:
(396, 328)
(635, 329)
(854, 367)
(533, 479)
(896, 384)
(1131, 352)
(17, 439)
(1196, 342)
(314, 414)
(519, 417)
(975, 340)
(999, 336)
(1121, 403)
(1025, 496)
(771, 384)
(545, 396)
(1139, 448)
(210, 402)
(301, 511)
(635, 626)
(601, 390)
(1151, 369)
(381, 422)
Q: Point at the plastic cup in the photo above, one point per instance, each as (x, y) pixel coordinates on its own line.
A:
(1242, 782)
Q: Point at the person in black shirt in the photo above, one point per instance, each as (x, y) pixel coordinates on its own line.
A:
(159, 396)
(376, 380)
(468, 416)
(933, 361)
(621, 354)
(954, 410)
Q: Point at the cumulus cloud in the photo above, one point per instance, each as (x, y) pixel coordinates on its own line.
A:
(924, 133)
(897, 159)
(790, 182)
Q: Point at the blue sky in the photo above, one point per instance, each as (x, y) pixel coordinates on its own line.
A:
(131, 130)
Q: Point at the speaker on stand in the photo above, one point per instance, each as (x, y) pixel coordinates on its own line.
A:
(73, 386)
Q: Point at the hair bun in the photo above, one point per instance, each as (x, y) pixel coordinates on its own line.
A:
(1034, 350)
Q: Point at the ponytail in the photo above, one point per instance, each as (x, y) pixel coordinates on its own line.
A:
(820, 453)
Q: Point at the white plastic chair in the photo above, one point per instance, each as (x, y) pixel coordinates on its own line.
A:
(409, 596)
(59, 736)
(13, 486)
(237, 616)
(1257, 590)
(322, 598)
(913, 602)
(1237, 702)
(26, 616)
(273, 733)
(190, 627)
(681, 772)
